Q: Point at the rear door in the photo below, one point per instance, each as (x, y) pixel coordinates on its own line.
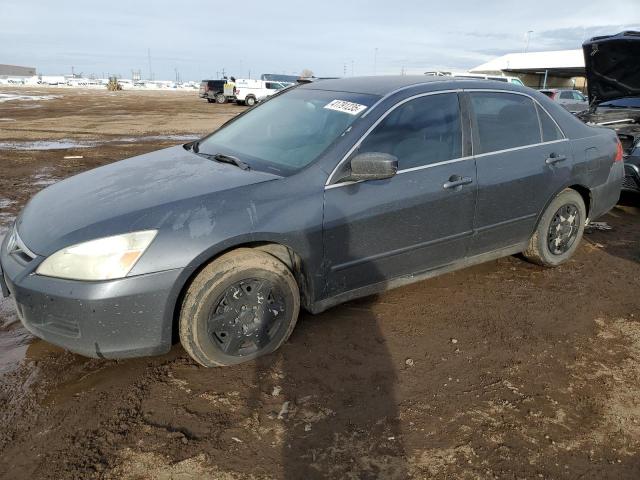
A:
(422, 218)
(522, 160)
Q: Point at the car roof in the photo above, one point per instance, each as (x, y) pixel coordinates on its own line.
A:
(385, 84)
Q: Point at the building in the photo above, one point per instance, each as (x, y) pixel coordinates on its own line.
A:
(555, 69)
(16, 71)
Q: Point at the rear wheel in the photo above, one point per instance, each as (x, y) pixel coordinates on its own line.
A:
(559, 231)
(242, 305)
(250, 101)
(220, 98)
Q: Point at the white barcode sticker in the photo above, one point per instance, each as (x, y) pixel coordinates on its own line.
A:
(345, 107)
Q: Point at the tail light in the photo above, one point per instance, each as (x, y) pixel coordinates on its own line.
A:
(619, 151)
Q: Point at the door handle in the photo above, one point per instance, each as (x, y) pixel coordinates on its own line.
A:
(555, 158)
(456, 181)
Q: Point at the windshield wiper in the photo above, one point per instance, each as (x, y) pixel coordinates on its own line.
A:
(223, 158)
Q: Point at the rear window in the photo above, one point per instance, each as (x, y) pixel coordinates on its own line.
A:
(504, 120)
(550, 130)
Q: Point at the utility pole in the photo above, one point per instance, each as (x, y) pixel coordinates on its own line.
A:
(149, 57)
(375, 61)
(528, 37)
(344, 70)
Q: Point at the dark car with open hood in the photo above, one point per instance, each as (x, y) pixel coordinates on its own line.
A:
(325, 192)
(613, 77)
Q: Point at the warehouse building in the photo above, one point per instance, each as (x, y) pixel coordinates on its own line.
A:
(555, 69)
(16, 71)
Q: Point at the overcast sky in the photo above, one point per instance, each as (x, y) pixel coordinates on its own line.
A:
(200, 38)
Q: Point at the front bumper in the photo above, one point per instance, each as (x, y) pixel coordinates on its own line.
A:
(129, 317)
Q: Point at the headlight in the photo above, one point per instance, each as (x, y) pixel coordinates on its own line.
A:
(101, 259)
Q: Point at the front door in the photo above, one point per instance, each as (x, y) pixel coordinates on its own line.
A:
(421, 218)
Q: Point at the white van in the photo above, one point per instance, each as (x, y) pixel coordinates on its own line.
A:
(249, 91)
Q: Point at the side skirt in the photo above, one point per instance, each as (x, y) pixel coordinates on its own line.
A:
(322, 305)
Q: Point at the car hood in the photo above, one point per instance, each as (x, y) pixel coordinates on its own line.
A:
(129, 194)
(612, 66)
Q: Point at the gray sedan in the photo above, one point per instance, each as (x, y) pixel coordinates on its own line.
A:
(324, 193)
(572, 100)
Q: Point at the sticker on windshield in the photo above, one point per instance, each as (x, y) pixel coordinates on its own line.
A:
(345, 107)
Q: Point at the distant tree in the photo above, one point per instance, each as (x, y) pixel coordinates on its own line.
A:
(306, 73)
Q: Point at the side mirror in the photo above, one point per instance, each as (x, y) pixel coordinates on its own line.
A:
(373, 166)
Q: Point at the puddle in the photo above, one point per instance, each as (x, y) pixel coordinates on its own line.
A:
(152, 138)
(14, 339)
(10, 97)
(43, 179)
(6, 220)
(66, 144)
(5, 203)
(46, 145)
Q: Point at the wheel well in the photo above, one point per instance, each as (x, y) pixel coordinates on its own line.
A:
(585, 193)
(283, 253)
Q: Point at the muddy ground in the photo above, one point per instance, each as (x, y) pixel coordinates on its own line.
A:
(505, 370)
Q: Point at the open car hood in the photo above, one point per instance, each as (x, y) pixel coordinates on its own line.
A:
(612, 66)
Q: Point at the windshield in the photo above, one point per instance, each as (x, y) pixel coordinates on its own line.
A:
(631, 102)
(289, 131)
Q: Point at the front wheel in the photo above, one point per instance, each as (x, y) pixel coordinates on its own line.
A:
(559, 231)
(242, 305)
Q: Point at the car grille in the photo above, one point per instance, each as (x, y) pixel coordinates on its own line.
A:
(17, 248)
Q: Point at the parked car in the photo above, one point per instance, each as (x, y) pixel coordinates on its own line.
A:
(324, 193)
(249, 92)
(213, 90)
(572, 100)
(613, 80)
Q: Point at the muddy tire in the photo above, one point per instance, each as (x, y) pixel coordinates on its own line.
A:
(220, 98)
(250, 101)
(243, 305)
(559, 231)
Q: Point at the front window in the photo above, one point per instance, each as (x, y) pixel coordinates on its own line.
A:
(290, 131)
(420, 132)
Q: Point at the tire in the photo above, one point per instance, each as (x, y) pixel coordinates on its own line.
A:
(250, 101)
(225, 321)
(210, 100)
(220, 98)
(559, 231)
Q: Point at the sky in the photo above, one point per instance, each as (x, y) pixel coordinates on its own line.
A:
(199, 39)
